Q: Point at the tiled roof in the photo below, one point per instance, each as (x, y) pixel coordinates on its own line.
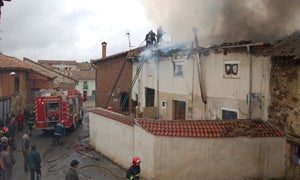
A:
(134, 52)
(209, 128)
(113, 115)
(12, 63)
(83, 75)
(8, 62)
(84, 66)
(288, 46)
(48, 68)
(69, 62)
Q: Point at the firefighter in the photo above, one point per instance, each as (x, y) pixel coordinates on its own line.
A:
(160, 33)
(150, 38)
(7, 133)
(133, 172)
(59, 131)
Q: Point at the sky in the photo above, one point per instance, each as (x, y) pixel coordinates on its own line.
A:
(75, 29)
(71, 29)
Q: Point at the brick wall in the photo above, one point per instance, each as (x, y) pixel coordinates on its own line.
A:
(107, 74)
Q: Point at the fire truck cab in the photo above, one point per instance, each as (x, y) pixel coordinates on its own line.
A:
(52, 107)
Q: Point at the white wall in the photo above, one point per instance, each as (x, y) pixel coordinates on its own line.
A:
(112, 138)
(91, 85)
(230, 93)
(172, 158)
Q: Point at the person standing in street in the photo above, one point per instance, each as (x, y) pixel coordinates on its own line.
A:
(34, 162)
(25, 149)
(58, 133)
(133, 172)
(31, 121)
(8, 162)
(20, 118)
(71, 173)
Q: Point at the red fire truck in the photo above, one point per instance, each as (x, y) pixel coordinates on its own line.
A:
(52, 107)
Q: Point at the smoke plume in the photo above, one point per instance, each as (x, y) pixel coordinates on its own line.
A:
(220, 21)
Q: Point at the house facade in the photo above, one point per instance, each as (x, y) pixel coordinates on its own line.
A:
(86, 83)
(210, 84)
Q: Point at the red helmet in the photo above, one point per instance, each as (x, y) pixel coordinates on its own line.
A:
(136, 160)
(4, 129)
(109, 108)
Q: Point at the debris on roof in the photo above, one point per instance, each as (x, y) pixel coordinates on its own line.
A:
(287, 46)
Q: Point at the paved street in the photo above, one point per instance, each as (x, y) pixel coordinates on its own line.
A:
(56, 158)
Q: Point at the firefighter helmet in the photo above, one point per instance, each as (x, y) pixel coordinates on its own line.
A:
(109, 108)
(136, 160)
(4, 129)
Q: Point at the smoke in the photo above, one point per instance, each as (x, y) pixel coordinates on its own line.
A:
(220, 21)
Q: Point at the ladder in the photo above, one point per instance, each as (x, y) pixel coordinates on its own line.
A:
(132, 83)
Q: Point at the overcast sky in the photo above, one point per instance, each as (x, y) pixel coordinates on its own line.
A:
(71, 29)
(75, 29)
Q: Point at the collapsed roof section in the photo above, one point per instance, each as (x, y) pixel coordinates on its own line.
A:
(287, 46)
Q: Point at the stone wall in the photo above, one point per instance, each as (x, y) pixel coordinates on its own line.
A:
(284, 108)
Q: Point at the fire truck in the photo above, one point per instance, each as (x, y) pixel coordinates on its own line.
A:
(52, 107)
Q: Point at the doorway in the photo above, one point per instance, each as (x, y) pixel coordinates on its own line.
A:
(179, 110)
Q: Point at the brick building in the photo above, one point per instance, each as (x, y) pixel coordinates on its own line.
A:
(113, 80)
(18, 82)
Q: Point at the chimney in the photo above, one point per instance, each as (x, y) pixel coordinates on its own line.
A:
(104, 49)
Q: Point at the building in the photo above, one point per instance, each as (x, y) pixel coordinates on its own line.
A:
(229, 81)
(61, 80)
(18, 83)
(284, 106)
(86, 83)
(113, 80)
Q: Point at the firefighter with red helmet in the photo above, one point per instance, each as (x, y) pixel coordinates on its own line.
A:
(133, 172)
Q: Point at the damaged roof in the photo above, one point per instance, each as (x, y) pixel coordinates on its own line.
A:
(287, 46)
(209, 128)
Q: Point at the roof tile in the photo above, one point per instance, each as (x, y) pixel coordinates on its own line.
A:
(209, 128)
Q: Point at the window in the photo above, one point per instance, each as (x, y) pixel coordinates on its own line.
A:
(178, 68)
(150, 96)
(231, 69)
(17, 84)
(163, 103)
(295, 154)
(85, 85)
(229, 113)
(93, 93)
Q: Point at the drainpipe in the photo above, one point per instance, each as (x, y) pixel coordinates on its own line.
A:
(157, 85)
(250, 83)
